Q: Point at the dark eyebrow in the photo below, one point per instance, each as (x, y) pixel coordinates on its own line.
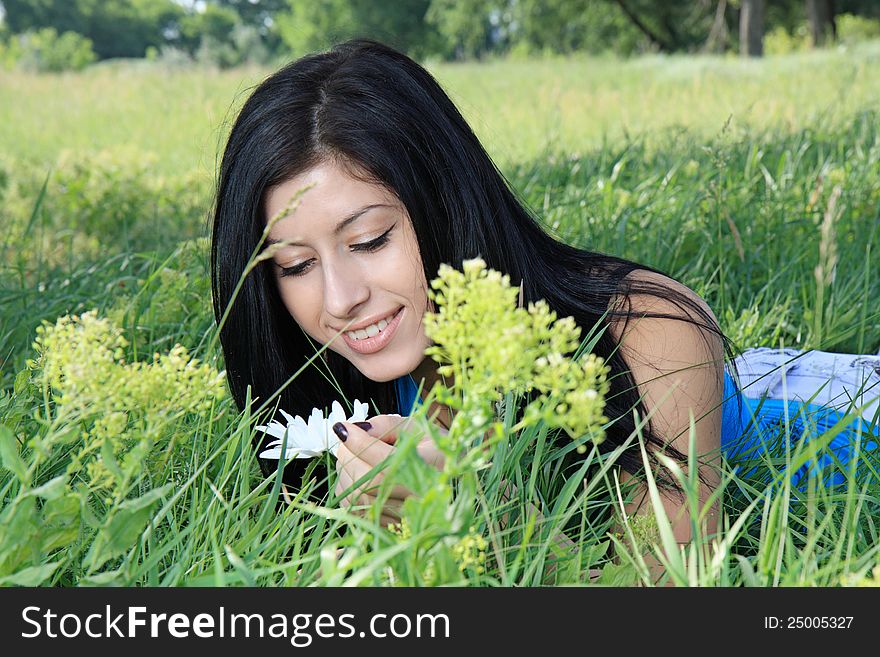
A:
(342, 225)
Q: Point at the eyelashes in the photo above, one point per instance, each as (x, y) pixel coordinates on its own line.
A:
(366, 247)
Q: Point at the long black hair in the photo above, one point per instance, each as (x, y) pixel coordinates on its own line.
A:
(367, 105)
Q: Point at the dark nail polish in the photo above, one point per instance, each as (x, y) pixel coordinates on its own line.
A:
(366, 426)
(341, 431)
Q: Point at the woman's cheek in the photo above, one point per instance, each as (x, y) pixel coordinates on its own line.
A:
(301, 307)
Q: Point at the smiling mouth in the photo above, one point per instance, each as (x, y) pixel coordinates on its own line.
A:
(381, 325)
(376, 342)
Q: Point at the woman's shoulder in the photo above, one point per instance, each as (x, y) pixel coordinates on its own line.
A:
(648, 296)
(662, 327)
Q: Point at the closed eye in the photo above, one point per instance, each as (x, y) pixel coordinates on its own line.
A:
(368, 247)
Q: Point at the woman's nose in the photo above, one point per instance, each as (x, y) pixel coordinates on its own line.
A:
(345, 288)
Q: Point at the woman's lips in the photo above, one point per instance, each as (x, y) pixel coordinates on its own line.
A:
(373, 344)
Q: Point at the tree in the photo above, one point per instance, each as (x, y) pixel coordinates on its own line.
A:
(671, 26)
(820, 14)
(751, 28)
(215, 23)
(258, 13)
(866, 8)
(719, 34)
(464, 25)
(657, 39)
(117, 28)
(310, 26)
(566, 26)
(64, 16)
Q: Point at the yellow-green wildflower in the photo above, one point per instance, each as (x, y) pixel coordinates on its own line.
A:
(126, 405)
(470, 551)
(490, 346)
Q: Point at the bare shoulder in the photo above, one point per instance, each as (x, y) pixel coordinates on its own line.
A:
(675, 362)
(662, 304)
(675, 365)
(641, 302)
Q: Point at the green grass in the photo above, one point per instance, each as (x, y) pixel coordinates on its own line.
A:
(517, 108)
(718, 171)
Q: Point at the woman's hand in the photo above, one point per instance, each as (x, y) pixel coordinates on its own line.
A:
(362, 451)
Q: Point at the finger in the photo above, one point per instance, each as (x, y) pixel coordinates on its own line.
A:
(430, 454)
(343, 456)
(350, 496)
(343, 482)
(386, 516)
(393, 507)
(351, 470)
(358, 442)
(366, 447)
(355, 471)
(355, 466)
(386, 427)
(386, 520)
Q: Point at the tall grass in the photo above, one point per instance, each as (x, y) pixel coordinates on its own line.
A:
(518, 109)
(771, 216)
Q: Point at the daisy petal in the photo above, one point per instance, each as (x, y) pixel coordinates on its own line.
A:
(307, 439)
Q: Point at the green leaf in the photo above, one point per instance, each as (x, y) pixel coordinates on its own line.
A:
(240, 566)
(33, 576)
(109, 459)
(110, 578)
(9, 454)
(618, 575)
(60, 523)
(673, 560)
(748, 573)
(21, 382)
(121, 532)
(52, 489)
(36, 211)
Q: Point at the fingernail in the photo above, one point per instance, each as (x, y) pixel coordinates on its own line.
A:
(341, 431)
(366, 426)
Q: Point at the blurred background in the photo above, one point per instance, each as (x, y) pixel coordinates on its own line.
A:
(47, 35)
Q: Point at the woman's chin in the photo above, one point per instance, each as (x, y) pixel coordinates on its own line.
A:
(381, 375)
(381, 378)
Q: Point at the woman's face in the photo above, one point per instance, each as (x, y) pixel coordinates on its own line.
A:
(370, 270)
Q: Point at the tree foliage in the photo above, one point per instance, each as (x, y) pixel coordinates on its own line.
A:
(232, 31)
(116, 28)
(46, 51)
(308, 26)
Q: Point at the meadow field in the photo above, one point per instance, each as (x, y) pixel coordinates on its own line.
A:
(756, 183)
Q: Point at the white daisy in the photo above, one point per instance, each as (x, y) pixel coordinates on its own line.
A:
(307, 440)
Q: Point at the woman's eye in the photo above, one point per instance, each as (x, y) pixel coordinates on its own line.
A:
(296, 270)
(372, 245)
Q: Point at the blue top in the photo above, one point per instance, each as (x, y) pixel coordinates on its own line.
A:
(768, 416)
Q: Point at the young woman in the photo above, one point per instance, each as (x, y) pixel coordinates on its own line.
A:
(397, 183)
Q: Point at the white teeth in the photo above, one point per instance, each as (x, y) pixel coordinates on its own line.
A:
(370, 331)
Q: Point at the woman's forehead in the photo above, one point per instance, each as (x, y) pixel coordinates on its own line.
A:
(327, 192)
